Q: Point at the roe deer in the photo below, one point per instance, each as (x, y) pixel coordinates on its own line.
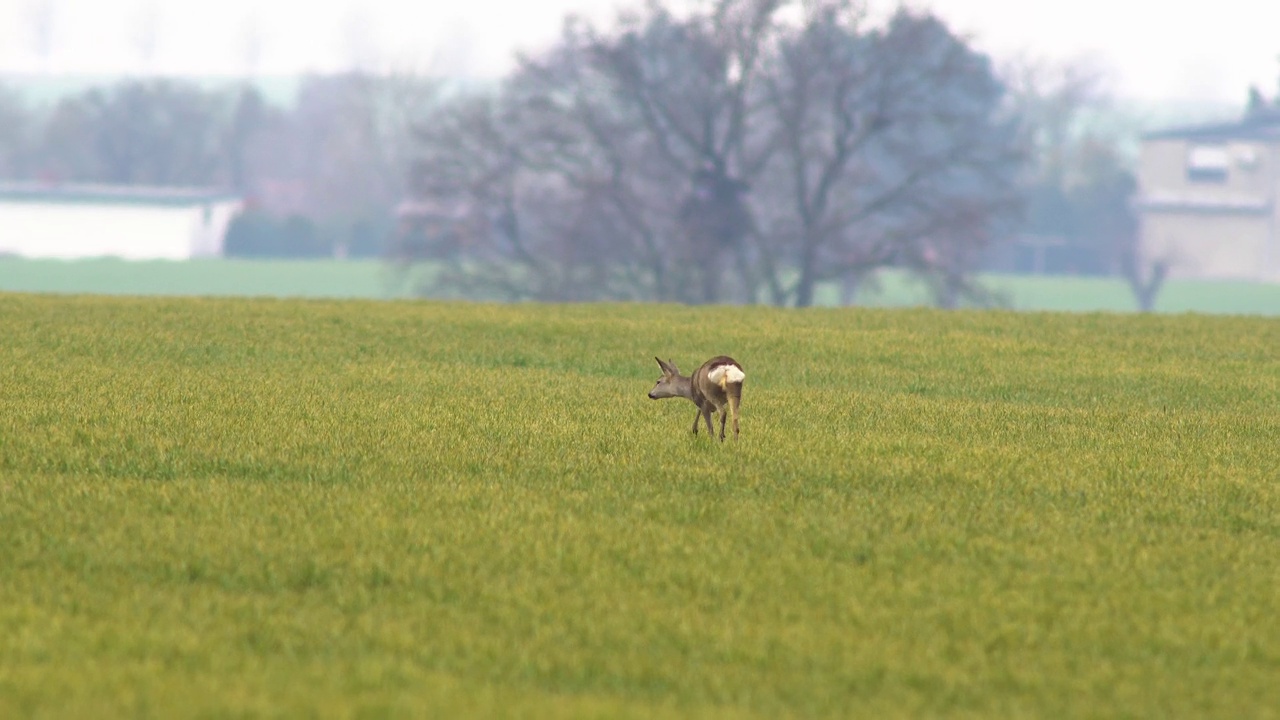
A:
(716, 386)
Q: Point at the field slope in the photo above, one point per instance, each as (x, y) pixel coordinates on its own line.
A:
(230, 507)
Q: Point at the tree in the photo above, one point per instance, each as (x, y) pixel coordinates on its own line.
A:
(351, 140)
(655, 160)
(1145, 277)
(689, 89)
(894, 150)
(518, 225)
(154, 132)
(339, 157)
(1081, 187)
(248, 121)
(258, 234)
(16, 125)
(1259, 108)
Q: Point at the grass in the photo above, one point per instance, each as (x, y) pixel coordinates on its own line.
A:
(253, 278)
(371, 279)
(1085, 294)
(234, 507)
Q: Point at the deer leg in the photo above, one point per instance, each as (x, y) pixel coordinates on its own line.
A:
(724, 415)
(696, 418)
(706, 415)
(735, 398)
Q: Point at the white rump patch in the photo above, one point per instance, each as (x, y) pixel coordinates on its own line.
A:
(724, 374)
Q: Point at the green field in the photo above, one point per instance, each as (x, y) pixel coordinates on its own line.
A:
(231, 507)
(261, 278)
(371, 279)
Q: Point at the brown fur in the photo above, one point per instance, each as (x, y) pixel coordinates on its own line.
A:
(699, 389)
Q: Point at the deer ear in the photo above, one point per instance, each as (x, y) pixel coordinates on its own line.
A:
(671, 367)
(665, 370)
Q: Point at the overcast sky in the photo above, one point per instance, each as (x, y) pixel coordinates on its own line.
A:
(1153, 49)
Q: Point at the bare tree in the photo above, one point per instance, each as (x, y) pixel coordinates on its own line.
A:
(1060, 104)
(598, 144)
(1081, 188)
(525, 201)
(1145, 277)
(348, 140)
(693, 85)
(657, 160)
(249, 119)
(894, 148)
(16, 126)
(633, 145)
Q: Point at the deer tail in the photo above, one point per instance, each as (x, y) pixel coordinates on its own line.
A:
(726, 375)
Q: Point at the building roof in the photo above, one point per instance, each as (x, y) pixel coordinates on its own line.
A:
(98, 194)
(1259, 126)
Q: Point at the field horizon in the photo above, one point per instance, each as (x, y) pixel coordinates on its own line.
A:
(375, 279)
(338, 508)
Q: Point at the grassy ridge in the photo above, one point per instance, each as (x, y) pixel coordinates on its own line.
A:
(341, 508)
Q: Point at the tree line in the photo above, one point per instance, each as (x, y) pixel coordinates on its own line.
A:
(321, 174)
(753, 150)
(746, 151)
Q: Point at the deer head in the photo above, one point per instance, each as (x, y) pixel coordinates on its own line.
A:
(669, 385)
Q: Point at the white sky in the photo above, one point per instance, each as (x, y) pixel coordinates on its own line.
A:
(1153, 49)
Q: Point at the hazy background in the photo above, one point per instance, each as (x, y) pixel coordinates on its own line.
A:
(331, 131)
(1152, 50)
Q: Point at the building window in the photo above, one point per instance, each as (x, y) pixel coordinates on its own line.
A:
(1208, 163)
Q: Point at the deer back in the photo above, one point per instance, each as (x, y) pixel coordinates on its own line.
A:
(713, 378)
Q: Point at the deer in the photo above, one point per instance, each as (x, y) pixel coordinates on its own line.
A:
(716, 386)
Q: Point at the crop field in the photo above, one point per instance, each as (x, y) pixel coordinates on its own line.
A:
(320, 508)
(373, 279)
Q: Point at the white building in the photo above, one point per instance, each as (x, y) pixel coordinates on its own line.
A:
(67, 221)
